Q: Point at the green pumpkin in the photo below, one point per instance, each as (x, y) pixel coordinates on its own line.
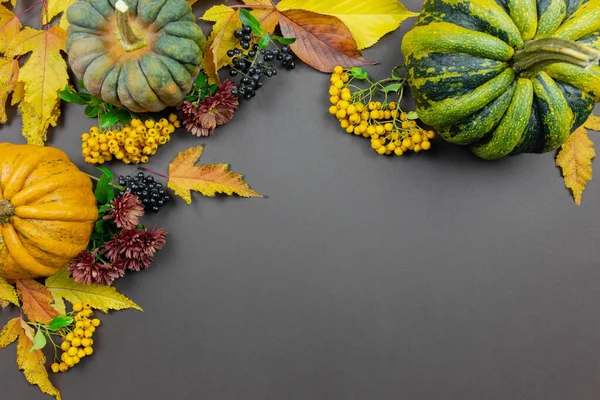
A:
(140, 54)
(507, 76)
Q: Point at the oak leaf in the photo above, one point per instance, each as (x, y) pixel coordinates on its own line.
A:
(36, 299)
(9, 28)
(44, 75)
(221, 38)
(575, 159)
(593, 123)
(367, 20)
(322, 41)
(8, 292)
(32, 363)
(9, 72)
(103, 298)
(209, 180)
(10, 332)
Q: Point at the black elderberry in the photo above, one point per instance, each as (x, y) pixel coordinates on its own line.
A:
(235, 92)
(255, 47)
(285, 63)
(252, 53)
(245, 45)
(237, 51)
(247, 29)
(292, 65)
(246, 38)
(155, 209)
(279, 57)
(256, 77)
(285, 49)
(233, 73)
(230, 53)
(245, 80)
(251, 71)
(247, 96)
(238, 33)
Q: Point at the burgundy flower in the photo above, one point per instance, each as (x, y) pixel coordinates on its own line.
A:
(201, 118)
(134, 249)
(126, 210)
(87, 270)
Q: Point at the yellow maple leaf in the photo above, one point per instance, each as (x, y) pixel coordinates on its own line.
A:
(32, 363)
(56, 7)
(575, 159)
(8, 292)
(9, 28)
(44, 75)
(209, 180)
(265, 13)
(9, 72)
(593, 123)
(367, 20)
(10, 332)
(36, 300)
(103, 298)
(221, 38)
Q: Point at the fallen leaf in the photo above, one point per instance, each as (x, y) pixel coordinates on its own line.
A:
(103, 298)
(36, 301)
(32, 363)
(9, 72)
(9, 28)
(59, 305)
(27, 329)
(265, 13)
(593, 123)
(8, 292)
(209, 180)
(54, 8)
(322, 41)
(13, 2)
(4, 304)
(10, 332)
(44, 75)
(367, 20)
(221, 38)
(18, 93)
(575, 159)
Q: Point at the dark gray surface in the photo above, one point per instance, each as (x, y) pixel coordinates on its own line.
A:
(437, 276)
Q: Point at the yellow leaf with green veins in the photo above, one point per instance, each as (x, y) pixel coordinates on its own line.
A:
(8, 292)
(185, 176)
(44, 75)
(367, 20)
(103, 298)
(575, 159)
(10, 332)
(33, 365)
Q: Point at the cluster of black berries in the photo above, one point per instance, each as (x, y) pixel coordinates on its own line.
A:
(253, 64)
(151, 193)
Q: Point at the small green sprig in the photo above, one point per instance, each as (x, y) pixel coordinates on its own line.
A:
(108, 115)
(201, 89)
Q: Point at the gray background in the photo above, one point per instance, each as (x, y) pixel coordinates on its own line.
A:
(435, 276)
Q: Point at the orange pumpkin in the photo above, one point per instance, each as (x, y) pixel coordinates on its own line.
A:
(47, 210)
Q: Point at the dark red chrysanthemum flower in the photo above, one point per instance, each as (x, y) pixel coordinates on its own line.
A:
(134, 249)
(126, 210)
(201, 118)
(87, 270)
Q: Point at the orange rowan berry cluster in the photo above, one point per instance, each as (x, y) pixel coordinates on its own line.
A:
(133, 144)
(390, 129)
(78, 343)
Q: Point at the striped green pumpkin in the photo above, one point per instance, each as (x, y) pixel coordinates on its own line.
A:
(140, 54)
(507, 76)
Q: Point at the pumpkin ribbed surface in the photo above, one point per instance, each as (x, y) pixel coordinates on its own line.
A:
(144, 55)
(506, 76)
(47, 210)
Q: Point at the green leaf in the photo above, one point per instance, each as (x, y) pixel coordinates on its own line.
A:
(264, 41)
(107, 172)
(92, 111)
(200, 81)
(114, 116)
(104, 208)
(60, 322)
(213, 89)
(39, 341)
(99, 227)
(394, 87)
(81, 84)
(359, 73)
(411, 115)
(70, 96)
(103, 189)
(250, 20)
(284, 40)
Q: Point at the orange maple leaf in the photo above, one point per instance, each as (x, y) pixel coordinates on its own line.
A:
(36, 300)
(209, 180)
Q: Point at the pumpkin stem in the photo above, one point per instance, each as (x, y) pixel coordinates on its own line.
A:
(538, 54)
(128, 37)
(6, 211)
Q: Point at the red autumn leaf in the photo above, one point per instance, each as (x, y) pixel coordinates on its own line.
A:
(322, 41)
(36, 300)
